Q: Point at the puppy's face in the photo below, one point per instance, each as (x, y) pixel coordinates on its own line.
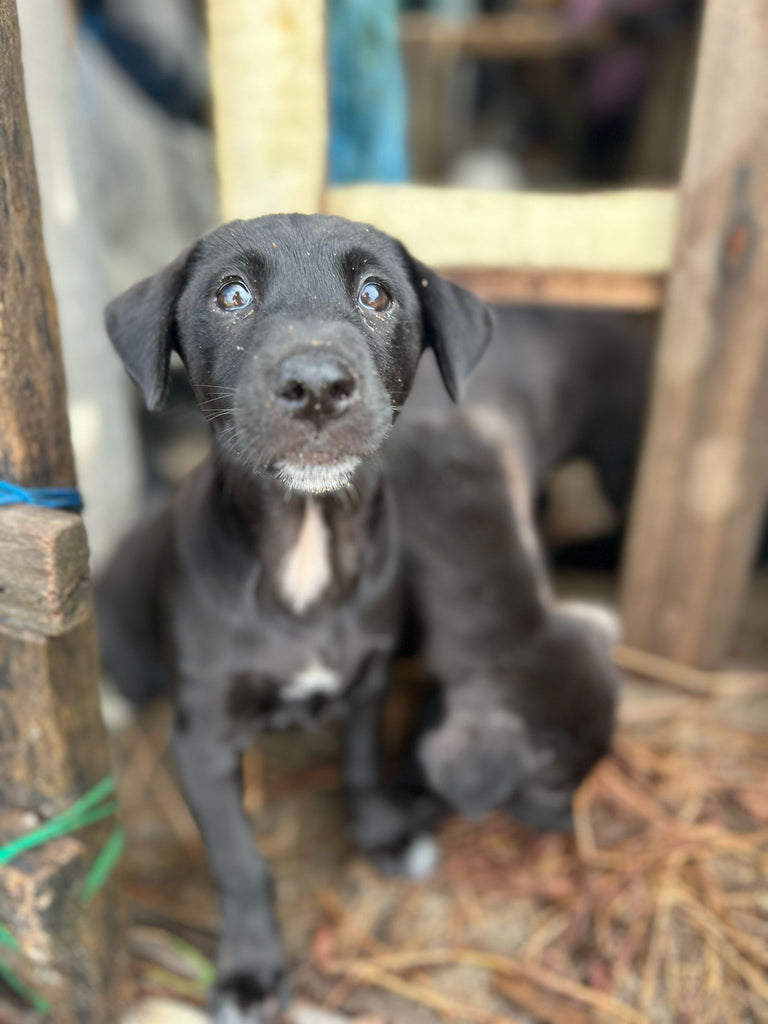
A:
(301, 336)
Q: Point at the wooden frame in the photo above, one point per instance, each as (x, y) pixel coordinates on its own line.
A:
(627, 231)
(603, 248)
(600, 249)
(69, 952)
(504, 36)
(703, 481)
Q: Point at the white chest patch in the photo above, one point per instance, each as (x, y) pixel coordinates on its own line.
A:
(305, 571)
(315, 679)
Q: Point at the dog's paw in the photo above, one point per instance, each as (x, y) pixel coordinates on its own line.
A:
(416, 858)
(479, 757)
(249, 997)
(393, 834)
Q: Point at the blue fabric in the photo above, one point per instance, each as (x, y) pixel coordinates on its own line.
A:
(48, 497)
(369, 123)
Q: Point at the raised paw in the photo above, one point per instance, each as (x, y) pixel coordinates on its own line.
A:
(249, 997)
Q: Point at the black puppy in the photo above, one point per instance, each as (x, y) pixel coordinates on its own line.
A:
(527, 688)
(570, 383)
(267, 592)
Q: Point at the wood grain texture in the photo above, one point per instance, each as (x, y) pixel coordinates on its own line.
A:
(52, 741)
(50, 753)
(703, 479)
(69, 954)
(34, 434)
(630, 232)
(43, 569)
(267, 60)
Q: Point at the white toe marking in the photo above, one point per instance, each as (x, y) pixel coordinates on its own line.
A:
(316, 678)
(229, 1013)
(154, 1011)
(603, 619)
(305, 571)
(421, 857)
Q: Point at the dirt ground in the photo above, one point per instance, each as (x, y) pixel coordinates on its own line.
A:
(656, 910)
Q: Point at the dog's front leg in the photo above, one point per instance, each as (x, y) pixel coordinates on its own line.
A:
(388, 828)
(251, 987)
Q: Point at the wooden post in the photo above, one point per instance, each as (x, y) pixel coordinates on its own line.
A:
(52, 741)
(703, 478)
(270, 104)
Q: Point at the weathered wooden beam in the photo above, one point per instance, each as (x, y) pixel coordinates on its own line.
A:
(267, 60)
(44, 582)
(588, 288)
(34, 434)
(52, 747)
(622, 232)
(703, 478)
(513, 35)
(52, 742)
(56, 946)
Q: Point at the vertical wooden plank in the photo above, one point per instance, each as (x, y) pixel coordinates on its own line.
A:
(53, 747)
(100, 404)
(34, 434)
(268, 76)
(703, 478)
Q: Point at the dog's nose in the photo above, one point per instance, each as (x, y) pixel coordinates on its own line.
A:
(314, 386)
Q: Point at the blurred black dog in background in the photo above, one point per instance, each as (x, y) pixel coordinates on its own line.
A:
(527, 691)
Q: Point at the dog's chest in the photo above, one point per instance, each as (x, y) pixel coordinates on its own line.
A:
(287, 673)
(289, 639)
(307, 693)
(304, 571)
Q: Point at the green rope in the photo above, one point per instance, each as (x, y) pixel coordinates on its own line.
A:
(83, 812)
(6, 939)
(21, 988)
(95, 806)
(104, 864)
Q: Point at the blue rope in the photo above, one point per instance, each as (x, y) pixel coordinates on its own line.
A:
(48, 497)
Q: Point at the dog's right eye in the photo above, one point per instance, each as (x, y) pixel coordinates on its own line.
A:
(234, 295)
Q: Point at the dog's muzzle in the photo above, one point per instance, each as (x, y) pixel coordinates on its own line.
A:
(315, 386)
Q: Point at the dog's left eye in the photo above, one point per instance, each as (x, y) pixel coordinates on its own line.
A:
(373, 295)
(234, 295)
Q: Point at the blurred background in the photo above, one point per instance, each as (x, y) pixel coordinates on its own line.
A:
(540, 95)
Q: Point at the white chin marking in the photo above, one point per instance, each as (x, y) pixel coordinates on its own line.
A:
(317, 479)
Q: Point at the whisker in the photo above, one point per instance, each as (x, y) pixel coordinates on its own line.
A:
(210, 416)
(211, 401)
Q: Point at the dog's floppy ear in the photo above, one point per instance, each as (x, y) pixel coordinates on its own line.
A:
(457, 325)
(141, 326)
